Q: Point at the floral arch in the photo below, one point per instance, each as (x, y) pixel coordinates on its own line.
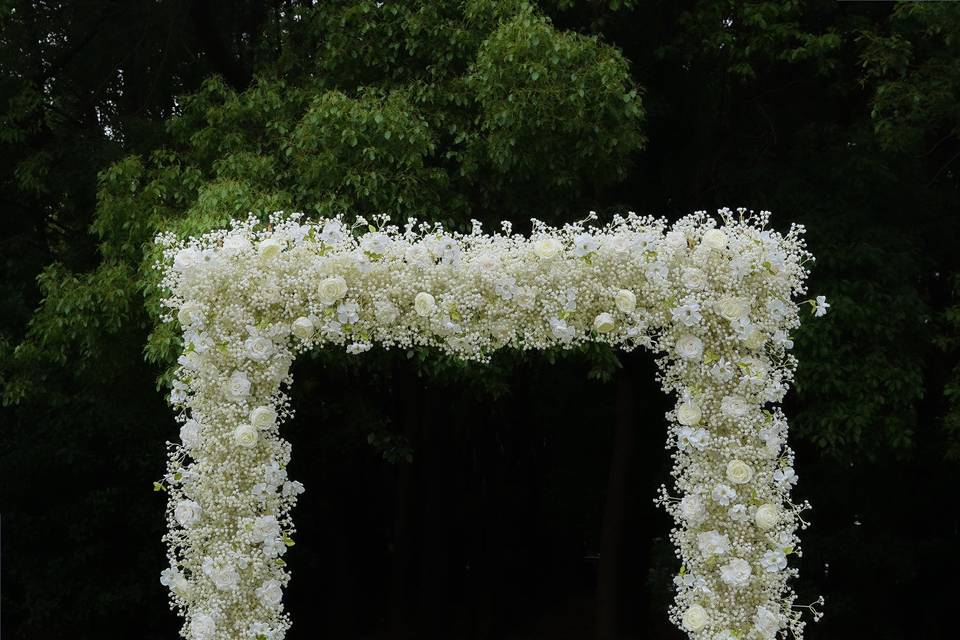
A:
(712, 297)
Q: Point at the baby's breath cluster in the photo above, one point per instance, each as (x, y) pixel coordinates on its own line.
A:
(713, 296)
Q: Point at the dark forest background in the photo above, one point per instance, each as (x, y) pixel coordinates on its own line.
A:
(512, 500)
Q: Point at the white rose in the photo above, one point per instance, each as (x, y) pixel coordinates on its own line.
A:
(303, 328)
(625, 300)
(676, 239)
(332, 289)
(186, 260)
(691, 508)
(714, 239)
(190, 313)
(693, 278)
(203, 626)
(187, 513)
(263, 417)
(767, 516)
(233, 245)
(690, 347)
(270, 594)
(237, 387)
(689, 413)
(736, 573)
(734, 406)
(265, 528)
(603, 323)
(766, 622)
(245, 436)
(547, 248)
(258, 348)
(190, 434)
(424, 304)
(269, 248)
(731, 308)
(695, 618)
(739, 472)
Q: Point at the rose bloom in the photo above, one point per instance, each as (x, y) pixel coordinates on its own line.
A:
(736, 573)
(712, 543)
(235, 244)
(731, 308)
(237, 387)
(332, 289)
(245, 436)
(714, 239)
(303, 328)
(691, 508)
(676, 239)
(270, 594)
(187, 513)
(767, 516)
(690, 347)
(695, 618)
(734, 406)
(265, 528)
(263, 417)
(604, 323)
(547, 248)
(190, 434)
(625, 300)
(258, 348)
(190, 313)
(269, 248)
(424, 304)
(739, 472)
(203, 626)
(689, 414)
(693, 278)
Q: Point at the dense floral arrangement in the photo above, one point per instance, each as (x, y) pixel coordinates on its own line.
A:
(713, 297)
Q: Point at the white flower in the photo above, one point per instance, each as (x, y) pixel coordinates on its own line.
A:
(303, 328)
(723, 494)
(187, 513)
(676, 240)
(237, 386)
(689, 413)
(736, 572)
(697, 438)
(739, 513)
(625, 300)
(245, 436)
(785, 475)
(691, 508)
(236, 244)
(376, 243)
(739, 472)
(221, 573)
(424, 304)
(265, 528)
(695, 618)
(333, 232)
(203, 627)
(190, 314)
(712, 543)
(263, 417)
(767, 516)
(186, 260)
(731, 308)
(766, 622)
(604, 323)
(332, 289)
(585, 244)
(488, 261)
(190, 434)
(258, 348)
(385, 312)
(348, 312)
(821, 306)
(270, 593)
(734, 406)
(690, 347)
(693, 278)
(773, 561)
(269, 248)
(547, 248)
(714, 239)
(687, 314)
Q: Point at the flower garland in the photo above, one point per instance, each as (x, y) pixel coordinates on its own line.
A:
(713, 297)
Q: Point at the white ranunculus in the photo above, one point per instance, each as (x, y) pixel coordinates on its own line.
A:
(739, 472)
(190, 434)
(203, 627)
(731, 308)
(767, 516)
(187, 513)
(303, 328)
(263, 417)
(245, 436)
(690, 347)
(547, 248)
(270, 593)
(604, 323)
(689, 413)
(714, 239)
(190, 314)
(332, 289)
(424, 304)
(269, 248)
(712, 543)
(237, 386)
(736, 572)
(691, 508)
(258, 348)
(695, 618)
(625, 300)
